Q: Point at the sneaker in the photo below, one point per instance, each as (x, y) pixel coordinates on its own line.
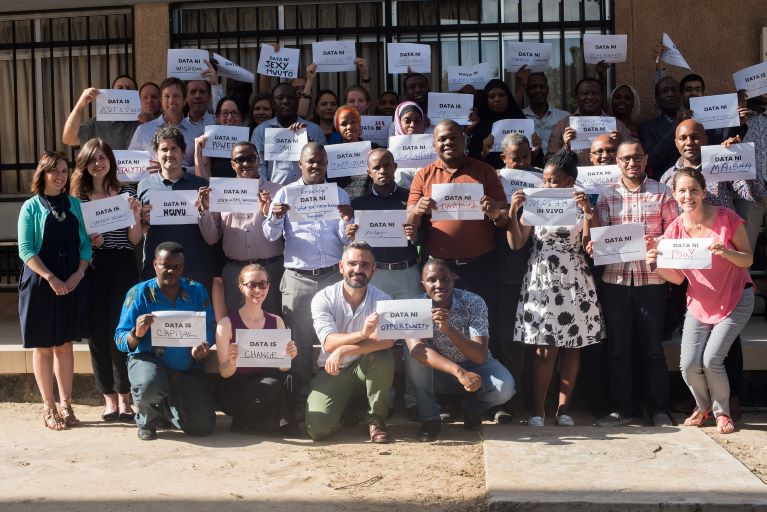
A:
(565, 420)
(614, 419)
(662, 419)
(429, 431)
(472, 422)
(147, 434)
(445, 417)
(502, 418)
(535, 421)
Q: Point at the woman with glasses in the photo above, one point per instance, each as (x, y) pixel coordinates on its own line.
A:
(228, 113)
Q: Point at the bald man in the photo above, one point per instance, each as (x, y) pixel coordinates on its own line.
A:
(603, 149)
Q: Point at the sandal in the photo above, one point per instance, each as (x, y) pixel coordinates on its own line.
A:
(52, 419)
(378, 432)
(697, 418)
(724, 424)
(68, 415)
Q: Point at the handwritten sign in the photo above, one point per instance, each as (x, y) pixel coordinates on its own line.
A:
(310, 203)
(588, 128)
(283, 64)
(400, 319)
(263, 348)
(535, 56)
(672, 55)
(107, 214)
(381, 228)
(607, 48)
(738, 162)
(350, 159)
(413, 150)
(131, 165)
(718, 111)
(333, 56)
(450, 105)
(618, 243)
(684, 253)
(233, 195)
(516, 179)
(376, 129)
(117, 105)
(178, 328)
(187, 64)
(549, 207)
(222, 138)
(457, 201)
(753, 79)
(594, 178)
(227, 68)
(504, 127)
(172, 207)
(400, 56)
(283, 144)
(459, 76)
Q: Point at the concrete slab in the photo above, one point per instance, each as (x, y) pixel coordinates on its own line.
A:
(627, 469)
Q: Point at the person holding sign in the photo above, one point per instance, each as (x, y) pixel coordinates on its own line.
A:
(558, 309)
(720, 299)
(228, 113)
(408, 120)
(545, 116)
(348, 123)
(56, 251)
(416, 87)
(657, 134)
(255, 397)
(112, 274)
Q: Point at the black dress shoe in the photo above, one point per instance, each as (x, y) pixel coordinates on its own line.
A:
(127, 417)
(429, 431)
(472, 422)
(110, 416)
(146, 434)
(412, 414)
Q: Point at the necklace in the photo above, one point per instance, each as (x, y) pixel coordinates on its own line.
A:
(60, 217)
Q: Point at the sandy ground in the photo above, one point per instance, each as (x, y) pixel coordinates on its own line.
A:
(748, 444)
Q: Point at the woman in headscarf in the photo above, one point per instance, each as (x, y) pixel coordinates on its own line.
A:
(624, 105)
(496, 103)
(408, 120)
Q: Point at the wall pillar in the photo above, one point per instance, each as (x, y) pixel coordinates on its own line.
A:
(152, 40)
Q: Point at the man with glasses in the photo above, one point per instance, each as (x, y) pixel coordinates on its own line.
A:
(603, 150)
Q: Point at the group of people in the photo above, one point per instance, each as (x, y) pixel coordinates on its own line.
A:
(499, 287)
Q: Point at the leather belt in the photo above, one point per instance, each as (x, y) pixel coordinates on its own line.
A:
(399, 265)
(316, 271)
(262, 261)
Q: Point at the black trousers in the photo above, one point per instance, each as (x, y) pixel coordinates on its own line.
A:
(481, 277)
(258, 401)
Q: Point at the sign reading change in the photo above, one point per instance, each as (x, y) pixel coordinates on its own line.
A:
(107, 214)
(400, 319)
(233, 195)
(172, 207)
(619, 243)
(381, 228)
(263, 348)
(605, 48)
(549, 207)
(178, 328)
(684, 253)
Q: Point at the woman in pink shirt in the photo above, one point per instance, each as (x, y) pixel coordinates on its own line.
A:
(720, 299)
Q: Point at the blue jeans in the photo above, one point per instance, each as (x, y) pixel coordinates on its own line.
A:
(497, 386)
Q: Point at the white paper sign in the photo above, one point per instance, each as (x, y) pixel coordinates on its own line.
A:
(618, 243)
(283, 144)
(588, 128)
(222, 138)
(172, 207)
(187, 64)
(753, 79)
(310, 203)
(131, 165)
(738, 162)
(457, 201)
(227, 68)
(535, 56)
(400, 319)
(593, 178)
(283, 64)
(516, 179)
(381, 228)
(684, 253)
(333, 56)
(718, 111)
(178, 329)
(450, 105)
(376, 129)
(107, 214)
(504, 127)
(413, 150)
(117, 105)
(672, 55)
(402, 55)
(263, 348)
(233, 195)
(459, 76)
(608, 48)
(549, 207)
(349, 159)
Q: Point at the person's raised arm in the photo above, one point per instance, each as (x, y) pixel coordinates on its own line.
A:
(520, 85)
(71, 133)
(201, 163)
(517, 234)
(305, 101)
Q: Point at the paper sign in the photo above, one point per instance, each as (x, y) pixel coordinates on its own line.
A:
(672, 55)
(459, 76)
(719, 111)
(593, 178)
(457, 201)
(333, 56)
(349, 159)
(283, 64)
(107, 214)
(588, 128)
(684, 253)
(310, 203)
(131, 165)
(263, 348)
(549, 207)
(607, 48)
(178, 328)
(117, 105)
(619, 243)
(753, 79)
(381, 228)
(516, 179)
(172, 207)
(504, 127)
(450, 105)
(376, 129)
(533, 55)
(233, 195)
(227, 68)
(222, 138)
(400, 319)
(738, 162)
(413, 150)
(187, 64)
(402, 55)
(283, 144)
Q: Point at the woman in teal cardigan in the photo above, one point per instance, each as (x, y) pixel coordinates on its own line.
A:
(56, 251)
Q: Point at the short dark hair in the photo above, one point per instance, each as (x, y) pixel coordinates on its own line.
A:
(411, 76)
(630, 141)
(360, 245)
(234, 100)
(172, 248)
(565, 161)
(135, 85)
(245, 143)
(540, 74)
(665, 78)
(171, 81)
(169, 132)
(148, 84)
(439, 262)
(288, 86)
(692, 77)
(587, 79)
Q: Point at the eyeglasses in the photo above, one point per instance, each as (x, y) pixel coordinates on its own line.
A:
(629, 158)
(226, 114)
(600, 152)
(261, 285)
(249, 159)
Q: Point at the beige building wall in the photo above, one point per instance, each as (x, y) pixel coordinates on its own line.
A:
(152, 29)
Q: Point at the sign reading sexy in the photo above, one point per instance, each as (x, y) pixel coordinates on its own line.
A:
(457, 201)
(233, 195)
(172, 207)
(132, 165)
(263, 348)
(310, 203)
(737, 162)
(588, 128)
(222, 138)
(549, 207)
(684, 253)
(381, 228)
(401, 56)
(350, 159)
(283, 64)
(283, 144)
(178, 328)
(187, 64)
(450, 105)
(117, 105)
(619, 243)
(107, 214)
(400, 319)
